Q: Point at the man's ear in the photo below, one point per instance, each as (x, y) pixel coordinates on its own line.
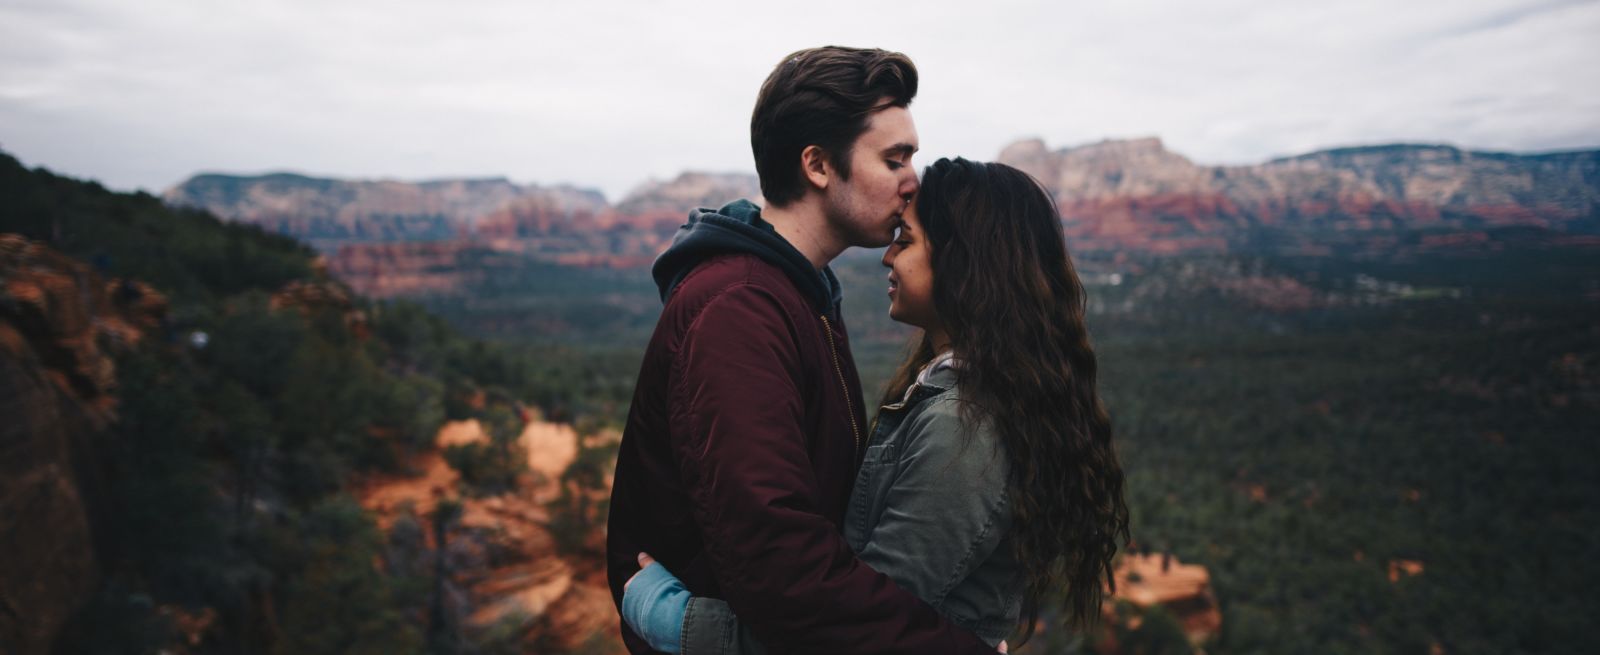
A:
(816, 167)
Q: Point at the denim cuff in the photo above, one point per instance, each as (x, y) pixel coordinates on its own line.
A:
(653, 605)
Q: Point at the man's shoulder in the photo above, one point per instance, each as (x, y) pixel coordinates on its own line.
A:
(718, 275)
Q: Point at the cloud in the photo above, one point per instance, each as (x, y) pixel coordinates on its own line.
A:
(609, 94)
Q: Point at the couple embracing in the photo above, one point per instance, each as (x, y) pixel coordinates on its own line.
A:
(778, 518)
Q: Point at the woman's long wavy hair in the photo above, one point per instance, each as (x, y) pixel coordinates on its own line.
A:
(1009, 299)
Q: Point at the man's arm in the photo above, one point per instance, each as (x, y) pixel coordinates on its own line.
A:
(783, 567)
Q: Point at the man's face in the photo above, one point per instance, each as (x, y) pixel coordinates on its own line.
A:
(865, 209)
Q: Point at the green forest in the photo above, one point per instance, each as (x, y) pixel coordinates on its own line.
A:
(225, 484)
(1440, 409)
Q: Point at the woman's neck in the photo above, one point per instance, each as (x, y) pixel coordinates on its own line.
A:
(938, 338)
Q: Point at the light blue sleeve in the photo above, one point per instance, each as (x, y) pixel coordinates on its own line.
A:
(653, 604)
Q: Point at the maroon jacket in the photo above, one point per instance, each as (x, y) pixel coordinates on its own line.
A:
(742, 443)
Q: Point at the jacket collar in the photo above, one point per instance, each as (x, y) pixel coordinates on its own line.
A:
(943, 366)
(936, 377)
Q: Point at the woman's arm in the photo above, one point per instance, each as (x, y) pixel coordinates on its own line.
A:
(946, 509)
(659, 609)
(736, 430)
(945, 513)
(709, 627)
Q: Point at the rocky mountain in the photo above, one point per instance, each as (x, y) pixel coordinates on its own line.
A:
(503, 570)
(60, 323)
(1121, 197)
(688, 190)
(388, 238)
(405, 268)
(1138, 195)
(194, 413)
(328, 212)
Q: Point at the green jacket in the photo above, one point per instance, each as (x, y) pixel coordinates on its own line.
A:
(928, 510)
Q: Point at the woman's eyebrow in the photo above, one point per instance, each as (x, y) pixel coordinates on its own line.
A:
(899, 150)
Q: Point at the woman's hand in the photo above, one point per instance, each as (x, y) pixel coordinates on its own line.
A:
(653, 603)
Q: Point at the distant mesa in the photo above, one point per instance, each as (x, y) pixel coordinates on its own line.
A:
(1135, 195)
(1116, 198)
(689, 190)
(332, 212)
(389, 238)
(329, 212)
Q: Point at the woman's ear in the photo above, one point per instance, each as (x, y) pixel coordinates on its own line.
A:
(816, 167)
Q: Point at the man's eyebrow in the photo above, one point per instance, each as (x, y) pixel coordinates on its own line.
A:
(900, 149)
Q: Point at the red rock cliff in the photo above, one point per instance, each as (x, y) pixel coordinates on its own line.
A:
(1136, 194)
(59, 323)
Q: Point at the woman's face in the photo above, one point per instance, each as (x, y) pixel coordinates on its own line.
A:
(911, 274)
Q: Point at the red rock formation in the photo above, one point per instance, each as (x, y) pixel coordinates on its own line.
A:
(539, 216)
(1136, 195)
(1399, 568)
(310, 297)
(1183, 590)
(381, 270)
(327, 212)
(392, 238)
(59, 323)
(688, 191)
(502, 551)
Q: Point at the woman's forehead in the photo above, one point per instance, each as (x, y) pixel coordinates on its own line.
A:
(909, 220)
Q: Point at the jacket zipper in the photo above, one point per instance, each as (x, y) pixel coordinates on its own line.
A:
(855, 430)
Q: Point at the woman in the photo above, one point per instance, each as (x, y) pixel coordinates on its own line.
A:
(990, 485)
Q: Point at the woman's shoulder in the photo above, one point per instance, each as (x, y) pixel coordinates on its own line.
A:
(947, 426)
(952, 413)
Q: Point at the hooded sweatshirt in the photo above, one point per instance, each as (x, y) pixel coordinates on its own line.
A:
(742, 442)
(738, 228)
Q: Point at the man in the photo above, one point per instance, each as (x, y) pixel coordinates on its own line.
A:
(747, 423)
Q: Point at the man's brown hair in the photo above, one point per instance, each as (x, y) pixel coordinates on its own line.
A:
(823, 97)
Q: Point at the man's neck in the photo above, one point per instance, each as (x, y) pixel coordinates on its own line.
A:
(803, 225)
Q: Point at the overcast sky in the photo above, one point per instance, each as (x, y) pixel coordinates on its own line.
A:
(609, 94)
